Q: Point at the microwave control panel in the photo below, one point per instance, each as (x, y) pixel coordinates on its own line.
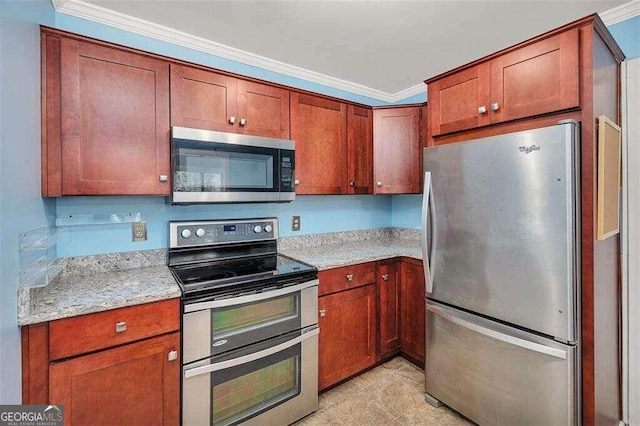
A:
(287, 167)
(187, 234)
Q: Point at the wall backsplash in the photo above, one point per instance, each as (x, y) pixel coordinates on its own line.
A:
(318, 214)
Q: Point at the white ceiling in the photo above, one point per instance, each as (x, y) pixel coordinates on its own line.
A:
(388, 46)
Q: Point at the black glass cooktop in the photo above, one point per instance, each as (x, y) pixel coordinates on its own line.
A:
(237, 275)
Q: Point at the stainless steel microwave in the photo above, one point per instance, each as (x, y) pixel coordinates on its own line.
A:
(219, 167)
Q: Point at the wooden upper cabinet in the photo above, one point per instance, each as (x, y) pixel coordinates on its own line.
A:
(114, 120)
(538, 78)
(360, 149)
(455, 101)
(211, 101)
(319, 130)
(396, 147)
(263, 110)
(202, 99)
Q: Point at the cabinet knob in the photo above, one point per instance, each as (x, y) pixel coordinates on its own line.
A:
(322, 312)
(243, 121)
(121, 327)
(482, 109)
(296, 182)
(352, 183)
(163, 178)
(385, 277)
(173, 355)
(379, 184)
(495, 106)
(349, 277)
(232, 120)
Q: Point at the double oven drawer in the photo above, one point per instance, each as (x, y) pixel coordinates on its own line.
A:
(251, 359)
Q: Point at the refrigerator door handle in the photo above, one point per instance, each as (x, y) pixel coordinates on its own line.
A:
(428, 209)
(537, 347)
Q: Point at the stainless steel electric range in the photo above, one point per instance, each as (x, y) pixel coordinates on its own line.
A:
(250, 324)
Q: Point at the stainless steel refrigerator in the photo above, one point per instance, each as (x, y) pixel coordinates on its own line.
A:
(500, 241)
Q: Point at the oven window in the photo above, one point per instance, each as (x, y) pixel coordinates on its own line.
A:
(221, 167)
(239, 393)
(270, 312)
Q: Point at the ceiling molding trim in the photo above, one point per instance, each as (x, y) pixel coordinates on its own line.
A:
(621, 13)
(81, 9)
(409, 91)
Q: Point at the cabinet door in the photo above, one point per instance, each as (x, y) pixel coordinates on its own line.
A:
(319, 129)
(396, 141)
(134, 384)
(263, 110)
(115, 121)
(360, 149)
(540, 78)
(412, 310)
(203, 99)
(347, 323)
(456, 101)
(389, 309)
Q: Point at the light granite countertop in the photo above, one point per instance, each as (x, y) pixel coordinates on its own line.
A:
(78, 293)
(326, 251)
(98, 283)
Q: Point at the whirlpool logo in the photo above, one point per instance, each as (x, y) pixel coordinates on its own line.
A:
(31, 415)
(529, 149)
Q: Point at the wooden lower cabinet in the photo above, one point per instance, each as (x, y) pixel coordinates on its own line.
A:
(347, 323)
(412, 309)
(388, 278)
(131, 384)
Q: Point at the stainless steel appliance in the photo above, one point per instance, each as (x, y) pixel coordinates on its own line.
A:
(500, 239)
(249, 324)
(218, 167)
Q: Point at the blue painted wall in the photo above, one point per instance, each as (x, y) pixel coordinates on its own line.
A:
(627, 34)
(406, 211)
(318, 214)
(21, 207)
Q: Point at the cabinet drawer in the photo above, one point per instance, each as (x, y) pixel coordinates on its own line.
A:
(351, 276)
(86, 333)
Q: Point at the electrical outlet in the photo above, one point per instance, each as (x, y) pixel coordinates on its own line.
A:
(138, 231)
(295, 223)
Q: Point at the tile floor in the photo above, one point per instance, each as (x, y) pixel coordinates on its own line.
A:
(390, 394)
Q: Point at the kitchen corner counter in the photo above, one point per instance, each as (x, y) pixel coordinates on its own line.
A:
(349, 248)
(87, 289)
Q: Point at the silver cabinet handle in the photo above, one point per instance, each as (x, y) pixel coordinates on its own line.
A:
(495, 106)
(349, 277)
(379, 184)
(385, 277)
(173, 355)
(248, 358)
(322, 312)
(163, 178)
(232, 120)
(352, 183)
(482, 109)
(121, 327)
(512, 340)
(250, 298)
(296, 182)
(243, 121)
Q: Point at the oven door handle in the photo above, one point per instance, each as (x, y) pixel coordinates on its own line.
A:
(251, 357)
(249, 298)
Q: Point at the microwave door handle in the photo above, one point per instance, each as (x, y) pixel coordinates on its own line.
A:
(250, 297)
(428, 210)
(251, 357)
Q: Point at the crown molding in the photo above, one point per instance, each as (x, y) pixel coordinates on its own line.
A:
(410, 91)
(621, 13)
(81, 9)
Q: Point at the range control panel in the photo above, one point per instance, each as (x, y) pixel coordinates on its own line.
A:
(198, 233)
